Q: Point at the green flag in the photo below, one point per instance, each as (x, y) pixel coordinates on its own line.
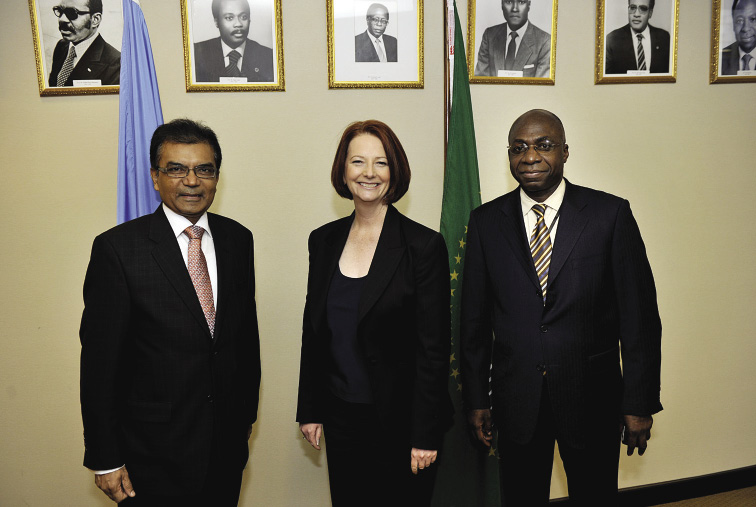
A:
(467, 475)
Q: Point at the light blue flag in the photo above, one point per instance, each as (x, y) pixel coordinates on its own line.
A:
(140, 115)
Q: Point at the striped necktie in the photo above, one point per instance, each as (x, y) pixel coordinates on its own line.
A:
(233, 64)
(67, 68)
(379, 50)
(641, 53)
(540, 248)
(198, 272)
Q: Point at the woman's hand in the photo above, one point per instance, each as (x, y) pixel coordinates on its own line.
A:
(421, 459)
(312, 433)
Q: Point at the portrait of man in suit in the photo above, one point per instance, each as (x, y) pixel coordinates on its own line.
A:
(558, 274)
(82, 53)
(516, 45)
(739, 55)
(233, 54)
(374, 45)
(637, 45)
(170, 358)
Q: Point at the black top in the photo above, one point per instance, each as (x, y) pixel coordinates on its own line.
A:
(348, 376)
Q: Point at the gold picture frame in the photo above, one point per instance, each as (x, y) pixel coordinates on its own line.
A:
(353, 61)
(725, 56)
(206, 65)
(488, 26)
(99, 62)
(616, 53)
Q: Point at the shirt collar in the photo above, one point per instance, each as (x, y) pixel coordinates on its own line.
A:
(520, 31)
(554, 201)
(646, 33)
(82, 46)
(227, 49)
(179, 223)
(740, 50)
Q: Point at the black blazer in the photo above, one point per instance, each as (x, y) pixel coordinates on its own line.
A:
(731, 60)
(364, 50)
(601, 295)
(257, 63)
(620, 51)
(155, 385)
(101, 61)
(403, 328)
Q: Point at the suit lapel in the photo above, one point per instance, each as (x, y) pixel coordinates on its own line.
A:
(571, 224)
(513, 226)
(526, 49)
(388, 253)
(323, 268)
(223, 260)
(168, 256)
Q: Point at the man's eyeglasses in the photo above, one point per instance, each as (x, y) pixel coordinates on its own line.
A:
(206, 172)
(379, 21)
(71, 12)
(632, 8)
(521, 148)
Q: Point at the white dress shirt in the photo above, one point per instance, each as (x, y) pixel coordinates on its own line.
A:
(81, 47)
(518, 40)
(751, 62)
(380, 47)
(646, 43)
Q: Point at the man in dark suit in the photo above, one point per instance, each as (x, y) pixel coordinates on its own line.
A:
(739, 55)
(170, 361)
(637, 45)
(516, 45)
(233, 54)
(82, 53)
(557, 323)
(373, 45)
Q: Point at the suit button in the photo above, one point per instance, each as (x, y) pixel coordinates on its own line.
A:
(541, 368)
(544, 329)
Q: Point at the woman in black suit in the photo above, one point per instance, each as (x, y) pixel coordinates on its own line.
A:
(375, 337)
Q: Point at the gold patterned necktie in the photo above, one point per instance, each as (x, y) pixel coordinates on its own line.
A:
(198, 272)
(67, 68)
(540, 248)
(641, 53)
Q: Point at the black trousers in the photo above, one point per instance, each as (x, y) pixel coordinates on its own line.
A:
(525, 470)
(367, 467)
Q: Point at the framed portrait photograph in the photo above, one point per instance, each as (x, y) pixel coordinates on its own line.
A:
(77, 45)
(511, 41)
(636, 41)
(233, 45)
(375, 44)
(733, 40)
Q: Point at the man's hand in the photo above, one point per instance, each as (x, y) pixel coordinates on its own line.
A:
(421, 459)
(480, 425)
(636, 431)
(312, 433)
(116, 485)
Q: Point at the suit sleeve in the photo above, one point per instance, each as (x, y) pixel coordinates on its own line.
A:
(482, 68)
(103, 332)
(476, 331)
(640, 325)
(309, 406)
(430, 407)
(251, 345)
(543, 66)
